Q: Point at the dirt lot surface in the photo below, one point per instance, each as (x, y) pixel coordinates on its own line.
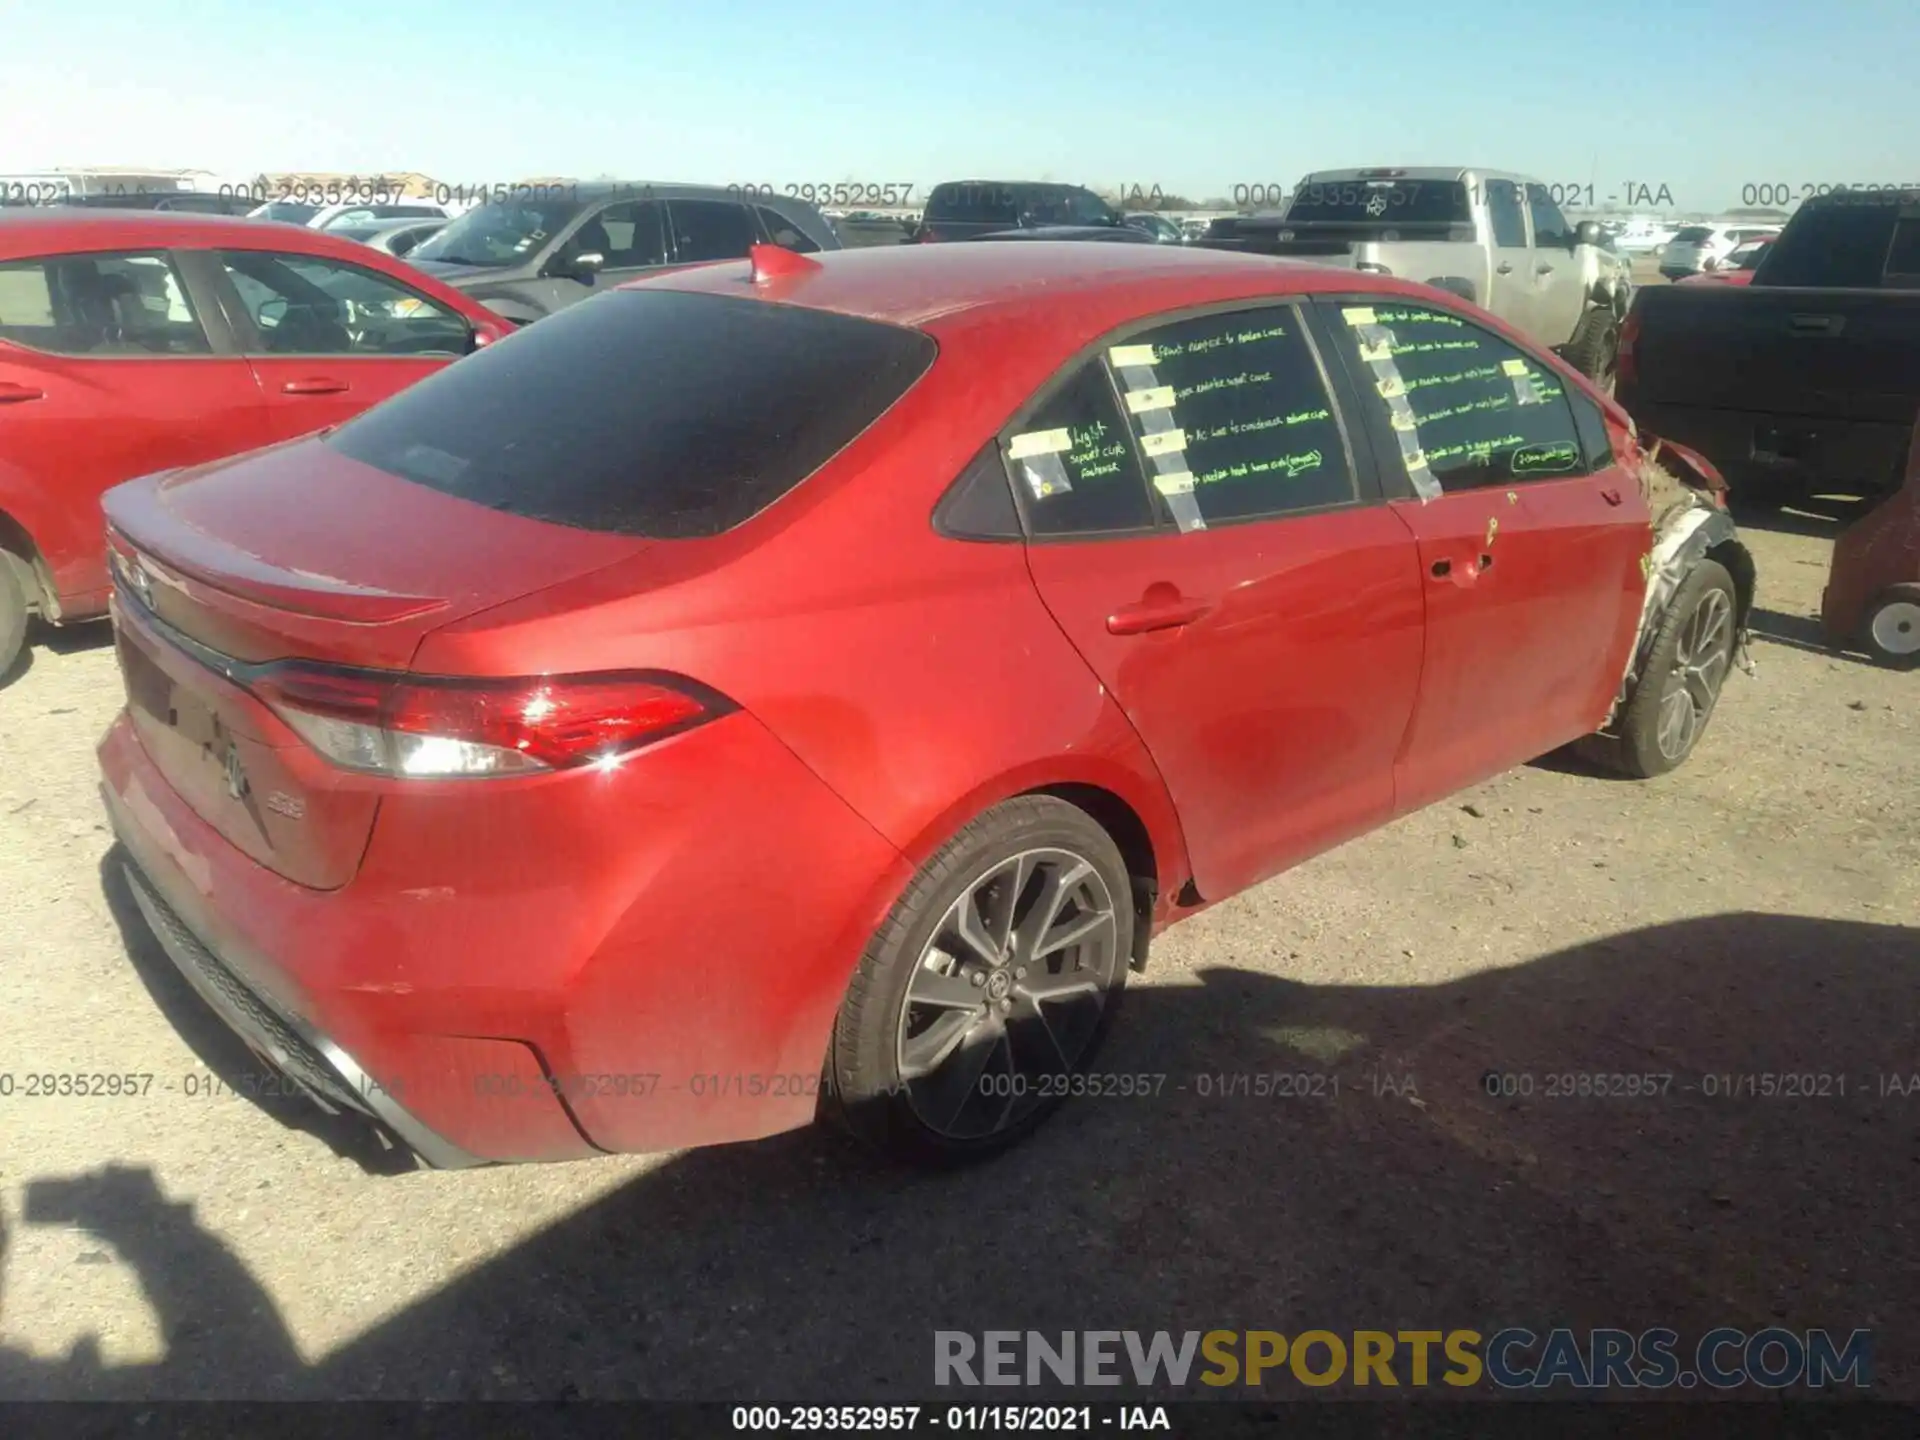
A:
(1756, 914)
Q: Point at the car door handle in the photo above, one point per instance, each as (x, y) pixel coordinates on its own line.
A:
(1156, 614)
(1504, 268)
(13, 394)
(318, 385)
(1816, 324)
(1543, 269)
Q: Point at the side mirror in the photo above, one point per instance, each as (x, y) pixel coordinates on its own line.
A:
(1589, 232)
(578, 267)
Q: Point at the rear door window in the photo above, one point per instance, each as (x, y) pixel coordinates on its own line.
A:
(647, 413)
(1503, 208)
(973, 202)
(710, 229)
(105, 304)
(1234, 417)
(1550, 228)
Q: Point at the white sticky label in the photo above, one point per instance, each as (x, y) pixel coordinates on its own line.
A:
(1124, 355)
(1180, 482)
(1040, 442)
(1158, 398)
(1403, 420)
(1359, 315)
(1391, 387)
(1164, 443)
(1513, 367)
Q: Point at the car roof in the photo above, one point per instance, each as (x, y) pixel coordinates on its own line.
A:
(56, 231)
(1054, 287)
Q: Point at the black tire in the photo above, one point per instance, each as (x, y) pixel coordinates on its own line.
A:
(13, 614)
(1637, 747)
(1891, 631)
(888, 1105)
(1594, 349)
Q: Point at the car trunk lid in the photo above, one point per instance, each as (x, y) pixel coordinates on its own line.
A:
(224, 568)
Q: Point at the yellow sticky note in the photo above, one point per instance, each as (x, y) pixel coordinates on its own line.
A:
(1374, 354)
(1513, 367)
(1040, 442)
(1403, 420)
(1358, 315)
(1164, 443)
(1124, 355)
(1391, 386)
(1178, 483)
(1417, 460)
(1158, 398)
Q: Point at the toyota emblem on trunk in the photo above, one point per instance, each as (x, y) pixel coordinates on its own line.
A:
(137, 578)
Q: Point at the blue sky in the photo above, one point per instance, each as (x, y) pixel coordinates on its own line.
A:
(1701, 96)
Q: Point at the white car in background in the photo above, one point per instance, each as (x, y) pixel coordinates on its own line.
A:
(1697, 249)
(1643, 237)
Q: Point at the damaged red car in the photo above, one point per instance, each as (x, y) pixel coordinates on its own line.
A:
(803, 686)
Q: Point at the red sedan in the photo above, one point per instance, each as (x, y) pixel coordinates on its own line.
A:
(137, 341)
(805, 684)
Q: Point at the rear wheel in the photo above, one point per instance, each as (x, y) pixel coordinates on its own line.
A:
(989, 987)
(1891, 633)
(1595, 347)
(13, 614)
(1674, 699)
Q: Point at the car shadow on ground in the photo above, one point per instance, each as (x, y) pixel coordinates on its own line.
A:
(1821, 517)
(60, 639)
(1799, 632)
(1750, 1166)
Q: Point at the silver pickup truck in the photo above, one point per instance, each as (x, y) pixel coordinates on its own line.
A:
(1495, 238)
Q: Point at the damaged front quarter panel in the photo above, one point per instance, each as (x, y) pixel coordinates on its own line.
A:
(1686, 498)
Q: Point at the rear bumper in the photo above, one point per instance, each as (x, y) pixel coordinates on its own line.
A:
(295, 1049)
(639, 960)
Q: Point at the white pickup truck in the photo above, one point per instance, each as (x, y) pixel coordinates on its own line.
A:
(1495, 238)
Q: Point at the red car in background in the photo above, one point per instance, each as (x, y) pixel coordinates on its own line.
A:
(137, 341)
(1738, 267)
(804, 685)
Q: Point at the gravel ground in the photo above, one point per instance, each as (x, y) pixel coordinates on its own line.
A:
(1754, 913)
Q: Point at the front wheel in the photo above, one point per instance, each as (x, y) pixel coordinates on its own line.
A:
(980, 1002)
(1891, 633)
(1675, 696)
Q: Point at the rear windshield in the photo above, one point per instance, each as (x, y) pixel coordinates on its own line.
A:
(1382, 202)
(1841, 244)
(1693, 235)
(649, 413)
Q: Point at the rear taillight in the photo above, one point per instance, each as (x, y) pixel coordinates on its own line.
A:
(388, 723)
(1624, 365)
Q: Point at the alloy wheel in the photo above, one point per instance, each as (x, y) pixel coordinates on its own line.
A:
(1700, 662)
(1008, 994)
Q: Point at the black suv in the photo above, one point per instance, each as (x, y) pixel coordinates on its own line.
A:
(545, 247)
(969, 209)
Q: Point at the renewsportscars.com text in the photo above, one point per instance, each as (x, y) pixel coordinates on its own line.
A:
(1509, 1359)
